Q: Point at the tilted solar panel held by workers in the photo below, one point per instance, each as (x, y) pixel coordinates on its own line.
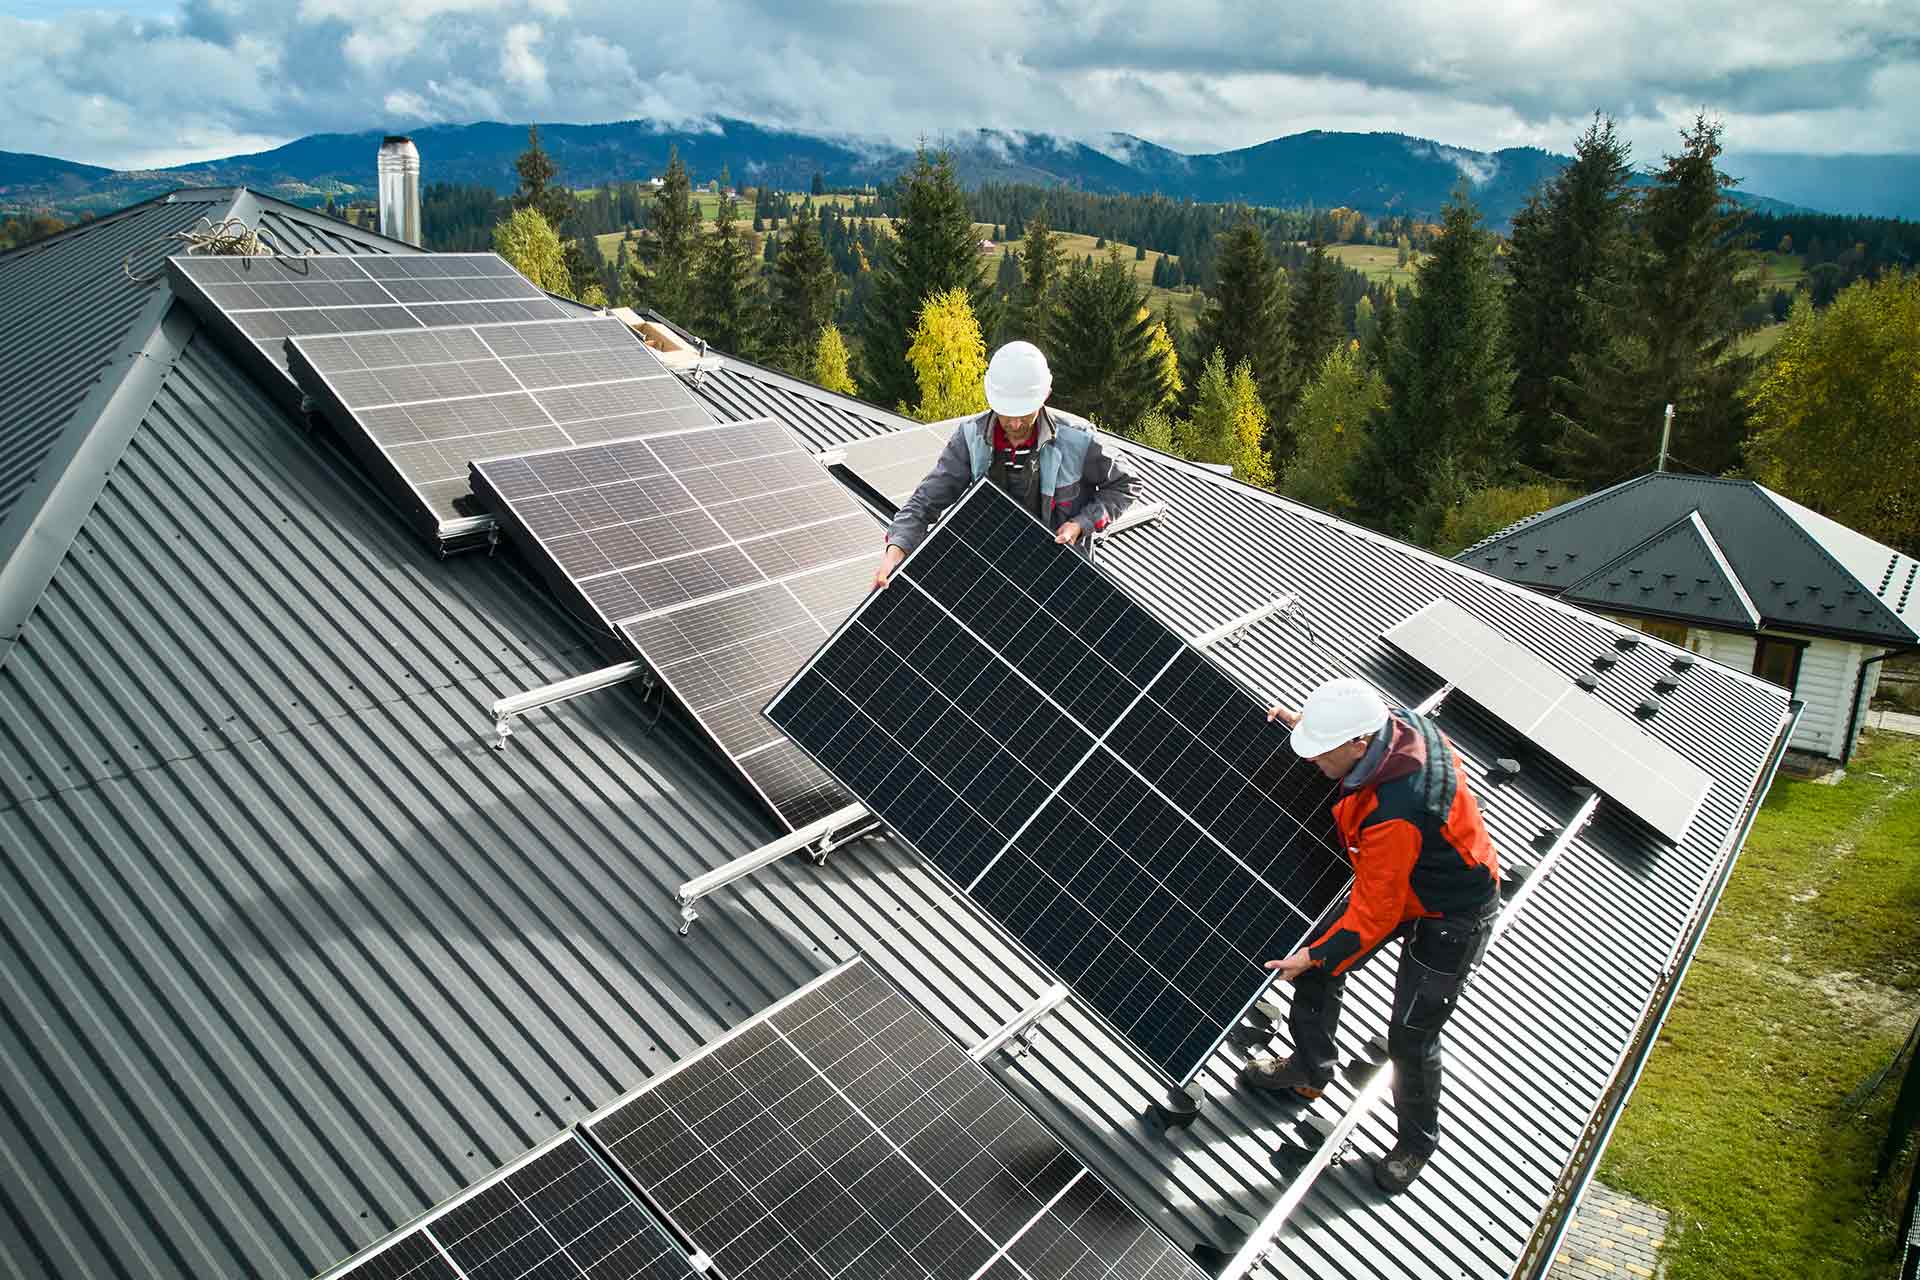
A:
(1098, 786)
(839, 1133)
(723, 555)
(557, 1213)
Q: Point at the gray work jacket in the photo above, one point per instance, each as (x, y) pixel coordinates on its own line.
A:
(1079, 480)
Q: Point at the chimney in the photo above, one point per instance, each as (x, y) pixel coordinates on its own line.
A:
(399, 167)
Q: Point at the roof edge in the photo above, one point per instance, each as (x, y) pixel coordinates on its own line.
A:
(49, 516)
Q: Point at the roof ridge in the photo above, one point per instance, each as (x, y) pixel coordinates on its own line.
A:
(1695, 520)
(1765, 497)
(1552, 514)
(90, 225)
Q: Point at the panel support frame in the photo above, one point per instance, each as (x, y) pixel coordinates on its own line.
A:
(818, 838)
(507, 709)
(1017, 1034)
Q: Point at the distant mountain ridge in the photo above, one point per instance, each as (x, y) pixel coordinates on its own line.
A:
(1376, 173)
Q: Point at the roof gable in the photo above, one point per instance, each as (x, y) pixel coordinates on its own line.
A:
(1786, 569)
(1679, 572)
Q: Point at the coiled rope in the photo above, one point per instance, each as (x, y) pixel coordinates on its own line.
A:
(231, 237)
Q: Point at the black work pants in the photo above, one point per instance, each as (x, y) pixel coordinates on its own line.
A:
(1434, 964)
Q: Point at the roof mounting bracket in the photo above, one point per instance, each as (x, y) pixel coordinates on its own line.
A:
(1232, 631)
(1260, 1242)
(1017, 1034)
(818, 838)
(546, 695)
(1133, 517)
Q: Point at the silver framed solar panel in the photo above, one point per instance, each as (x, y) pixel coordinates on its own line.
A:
(559, 1210)
(965, 843)
(839, 1132)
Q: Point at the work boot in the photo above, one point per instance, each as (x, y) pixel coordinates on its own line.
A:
(1395, 1171)
(1280, 1075)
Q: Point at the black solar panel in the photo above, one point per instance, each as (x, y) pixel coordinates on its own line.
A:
(841, 1134)
(267, 300)
(555, 1213)
(429, 401)
(724, 556)
(1098, 786)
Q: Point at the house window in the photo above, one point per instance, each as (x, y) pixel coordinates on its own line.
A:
(1778, 660)
(1674, 633)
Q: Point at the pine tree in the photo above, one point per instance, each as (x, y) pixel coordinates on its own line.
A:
(949, 359)
(1330, 428)
(805, 287)
(1040, 268)
(1366, 326)
(1155, 431)
(730, 307)
(1567, 250)
(1674, 322)
(1166, 356)
(933, 250)
(1101, 351)
(1246, 315)
(1314, 324)
(537, 189)
(660, 275)
(830, 362)
(525, 240)
(1446, 429)
(1208, 435)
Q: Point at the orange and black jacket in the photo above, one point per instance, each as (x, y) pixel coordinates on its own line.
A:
(1418, 846)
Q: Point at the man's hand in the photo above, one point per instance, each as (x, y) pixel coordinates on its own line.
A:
(1285, 715)
(888, 563)
(1069, 533)
(1293, 966)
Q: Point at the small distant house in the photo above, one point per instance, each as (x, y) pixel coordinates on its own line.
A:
(656, 183)
(1734, 572)
(986, 246)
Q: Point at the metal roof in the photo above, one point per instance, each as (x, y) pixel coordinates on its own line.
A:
(291, 955)
(738, 390)
(1799, 570)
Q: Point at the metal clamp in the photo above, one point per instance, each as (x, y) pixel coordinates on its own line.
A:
(1018, 1033)
(1233, 631)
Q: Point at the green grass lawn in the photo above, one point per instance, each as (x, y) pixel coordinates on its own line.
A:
(1761, 340)
(1186, 302)
(1806, 984)
(1379, 263)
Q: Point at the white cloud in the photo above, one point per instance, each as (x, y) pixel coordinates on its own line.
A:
(110, 87)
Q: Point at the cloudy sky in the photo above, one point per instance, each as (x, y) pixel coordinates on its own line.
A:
(153, 82)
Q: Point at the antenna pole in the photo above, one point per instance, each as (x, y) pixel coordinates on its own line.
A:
(1666, 437)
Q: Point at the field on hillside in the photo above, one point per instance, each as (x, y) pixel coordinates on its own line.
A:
(1186, 302)
(1377, 262)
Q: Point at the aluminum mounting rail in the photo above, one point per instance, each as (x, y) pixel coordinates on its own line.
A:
(818, 838)
(1260, 1240)
(1023, 1026)
(546, 695)
(1231, 631)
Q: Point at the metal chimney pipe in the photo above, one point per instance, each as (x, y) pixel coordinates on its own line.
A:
(399, 167)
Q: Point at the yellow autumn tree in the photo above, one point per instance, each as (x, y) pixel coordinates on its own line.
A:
(949, 359)
(830, 362)
(525, 240)
(1229, 422)
(1251, 462)
(1160, 347)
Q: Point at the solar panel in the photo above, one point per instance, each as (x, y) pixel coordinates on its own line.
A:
(1650, 779)
(841, 1134)
(1098, 786)
(428, 401)
(723, 555)
(893, 465)
(557, 1212)
(266, 300)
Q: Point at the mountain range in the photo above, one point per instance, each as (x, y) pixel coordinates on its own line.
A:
(1376, 173)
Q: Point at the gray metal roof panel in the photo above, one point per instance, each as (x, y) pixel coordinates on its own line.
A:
(738, 390)
(1679, 572)
(285, 941)
(1794, 573)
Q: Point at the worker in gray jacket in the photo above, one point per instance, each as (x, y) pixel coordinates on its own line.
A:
(1048, 461)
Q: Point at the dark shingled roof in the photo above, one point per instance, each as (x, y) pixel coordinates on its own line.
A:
(1629, 548)
(291, 954)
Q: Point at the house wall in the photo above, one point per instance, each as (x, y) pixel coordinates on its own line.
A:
(1828, 669)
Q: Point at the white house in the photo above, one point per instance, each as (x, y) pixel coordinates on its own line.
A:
(1735, 572)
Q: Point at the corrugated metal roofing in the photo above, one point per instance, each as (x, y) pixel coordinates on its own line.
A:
(1807, 575)
(291, 954)
(738, 390)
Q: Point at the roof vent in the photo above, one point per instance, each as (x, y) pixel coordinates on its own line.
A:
(399, 169)
(1604, 662)
(1625, 643)
(1666, 684)
(1683, 663)
(1647, 709)
(1586, 681)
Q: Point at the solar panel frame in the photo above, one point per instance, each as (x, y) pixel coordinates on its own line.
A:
(771, 553)
(477, 1234)
(840, 1123)
(892, 465)
(1642, 774)
(1027, 805)
(419, 405)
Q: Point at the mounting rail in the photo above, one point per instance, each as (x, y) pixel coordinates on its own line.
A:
(546, 695)
(818, 838)
(1023, 1026)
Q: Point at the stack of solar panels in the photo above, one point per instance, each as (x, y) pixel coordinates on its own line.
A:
(1099, 787)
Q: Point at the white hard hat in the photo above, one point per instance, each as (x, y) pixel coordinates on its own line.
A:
(1338, 711)
(1017, 380)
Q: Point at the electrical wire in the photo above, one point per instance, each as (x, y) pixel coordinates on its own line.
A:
(230, 237)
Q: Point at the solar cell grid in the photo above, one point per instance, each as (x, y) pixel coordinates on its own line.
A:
(840, 1134)
(1104, 791)
(556, 1213)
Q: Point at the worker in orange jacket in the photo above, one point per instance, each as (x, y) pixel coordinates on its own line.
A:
(1423, 870)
